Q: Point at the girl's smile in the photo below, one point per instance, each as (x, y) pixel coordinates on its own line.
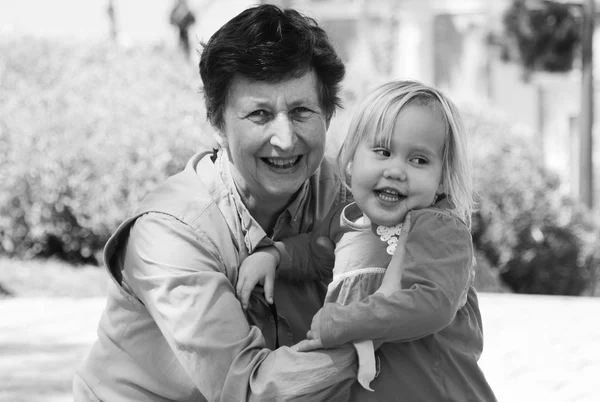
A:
(389, 195)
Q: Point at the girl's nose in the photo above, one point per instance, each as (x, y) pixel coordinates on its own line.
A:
(283, 135)
(396, 172)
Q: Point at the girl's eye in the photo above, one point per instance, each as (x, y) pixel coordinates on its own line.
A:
(419, 160)
(382, 152)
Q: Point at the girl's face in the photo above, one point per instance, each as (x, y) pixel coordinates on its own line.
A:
(389, 182)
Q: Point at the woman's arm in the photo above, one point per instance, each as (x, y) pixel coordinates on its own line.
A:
(179, 276)
(436, 264)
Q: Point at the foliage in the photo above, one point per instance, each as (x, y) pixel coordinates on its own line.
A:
(542, 35)
(539, 239)
(85, 133)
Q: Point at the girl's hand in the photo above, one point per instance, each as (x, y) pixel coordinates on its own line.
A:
(313, 336)
(257, 268)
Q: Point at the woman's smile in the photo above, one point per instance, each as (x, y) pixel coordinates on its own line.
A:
(282, 164)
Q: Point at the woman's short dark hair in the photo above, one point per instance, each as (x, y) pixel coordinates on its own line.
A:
(267, 43)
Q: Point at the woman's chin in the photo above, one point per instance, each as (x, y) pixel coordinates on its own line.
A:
(283, 192)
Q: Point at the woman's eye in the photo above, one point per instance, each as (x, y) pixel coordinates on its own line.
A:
(259, 116)
(258, 113)
(382, 152)
(301, 112)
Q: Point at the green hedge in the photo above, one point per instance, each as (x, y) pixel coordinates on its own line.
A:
(539, 239)
(87, 131)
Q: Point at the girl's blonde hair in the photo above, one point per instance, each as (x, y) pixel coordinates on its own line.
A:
(376, 116)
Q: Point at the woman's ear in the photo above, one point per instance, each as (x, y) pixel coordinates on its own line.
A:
(221, 139)
(349, 169)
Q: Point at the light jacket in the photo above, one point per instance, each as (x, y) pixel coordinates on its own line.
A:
(173, 330)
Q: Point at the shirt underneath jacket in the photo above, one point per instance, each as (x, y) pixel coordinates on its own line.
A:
(173, 330)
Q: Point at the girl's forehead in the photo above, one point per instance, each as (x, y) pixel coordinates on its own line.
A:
(375, 131)
(417, 118)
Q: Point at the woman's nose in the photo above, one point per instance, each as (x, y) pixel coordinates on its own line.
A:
(283, 135)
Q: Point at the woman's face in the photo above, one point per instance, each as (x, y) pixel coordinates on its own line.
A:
(275, 136)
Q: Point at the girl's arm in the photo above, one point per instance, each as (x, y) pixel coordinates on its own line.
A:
(310, 256)
(436, 267)
(304, 257)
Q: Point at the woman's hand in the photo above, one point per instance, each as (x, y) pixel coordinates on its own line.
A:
(257, 268)
(313, 336)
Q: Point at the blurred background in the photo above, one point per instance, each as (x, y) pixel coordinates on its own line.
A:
(100, 100)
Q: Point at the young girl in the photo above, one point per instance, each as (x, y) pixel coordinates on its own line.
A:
(403, 270)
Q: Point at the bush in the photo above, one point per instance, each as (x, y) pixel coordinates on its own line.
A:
(539, 239)
(86, 132)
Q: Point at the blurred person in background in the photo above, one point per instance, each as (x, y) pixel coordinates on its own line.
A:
(182, 18)
(172, 328)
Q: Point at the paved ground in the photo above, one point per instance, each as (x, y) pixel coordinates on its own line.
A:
(538, 348)
(542, 348)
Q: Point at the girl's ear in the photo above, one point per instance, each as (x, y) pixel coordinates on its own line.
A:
(440, 190)
(349, 169)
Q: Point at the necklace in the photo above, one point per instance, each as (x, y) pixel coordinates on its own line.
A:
(390, 235)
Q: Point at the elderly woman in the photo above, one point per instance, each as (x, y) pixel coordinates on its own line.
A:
(172, 329)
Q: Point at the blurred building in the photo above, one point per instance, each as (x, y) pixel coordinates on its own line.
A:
(446, 43)
(441, 42)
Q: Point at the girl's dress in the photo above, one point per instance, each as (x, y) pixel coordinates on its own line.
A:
(361, 258)
(425, 315)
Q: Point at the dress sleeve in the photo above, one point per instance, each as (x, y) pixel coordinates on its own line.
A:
(179, 276)
(436, 264)
(302, 259)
